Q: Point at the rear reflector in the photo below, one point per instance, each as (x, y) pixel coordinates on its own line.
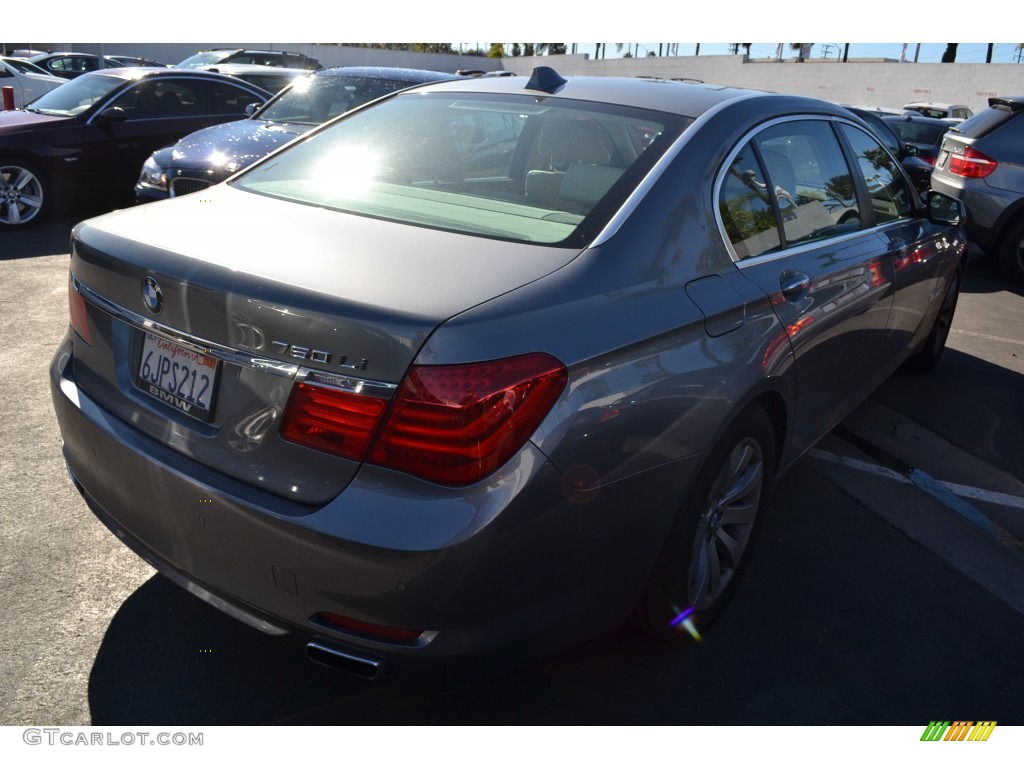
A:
(365, 627)
(78, 314)
(971, 164)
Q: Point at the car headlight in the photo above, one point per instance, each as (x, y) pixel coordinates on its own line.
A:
(153, 176)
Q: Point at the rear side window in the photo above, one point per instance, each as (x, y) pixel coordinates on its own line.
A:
(228, 99)
(746, 209)
(811, 180)
(788, 186)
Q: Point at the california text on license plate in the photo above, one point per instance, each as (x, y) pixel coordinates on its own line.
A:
(181, 377)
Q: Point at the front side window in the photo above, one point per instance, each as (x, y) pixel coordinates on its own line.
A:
(504, 166)
(152, 99)
(888, 189)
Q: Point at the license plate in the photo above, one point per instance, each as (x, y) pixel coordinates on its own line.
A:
(181, 377)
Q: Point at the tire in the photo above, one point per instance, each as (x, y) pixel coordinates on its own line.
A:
(703, 558)
(931, 352)
(24, 195)
(1011, 251)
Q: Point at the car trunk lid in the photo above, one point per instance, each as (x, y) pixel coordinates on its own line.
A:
(216, 283)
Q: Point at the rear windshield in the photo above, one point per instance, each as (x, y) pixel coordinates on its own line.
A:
(984, 122)
(511, 167)
(919, 133)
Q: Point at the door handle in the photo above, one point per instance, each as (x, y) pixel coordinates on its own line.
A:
(793, 284)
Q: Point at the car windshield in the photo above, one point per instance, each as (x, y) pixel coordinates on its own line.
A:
(76, 96)
(25, 67)
(204, 58)
(935, 112)
(314, 99)
(504, 166)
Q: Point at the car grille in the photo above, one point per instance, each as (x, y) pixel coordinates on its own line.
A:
(187, 186)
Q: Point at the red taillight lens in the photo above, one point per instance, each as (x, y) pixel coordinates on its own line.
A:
(971, 164)
(78, 314)
(331, 420)
(456, 424)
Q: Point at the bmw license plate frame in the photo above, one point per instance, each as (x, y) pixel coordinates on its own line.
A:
(178, 376)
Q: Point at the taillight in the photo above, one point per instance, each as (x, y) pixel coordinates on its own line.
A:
(971, 164)
(77, 313)
(450, 424)
(331, 420)
(456, 424)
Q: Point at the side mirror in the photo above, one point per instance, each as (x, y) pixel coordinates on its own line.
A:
(112, 115)
(250, 109)
(943, 209)
(910, 150)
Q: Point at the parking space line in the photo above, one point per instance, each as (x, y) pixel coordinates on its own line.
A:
(988, 337)
(951, 495)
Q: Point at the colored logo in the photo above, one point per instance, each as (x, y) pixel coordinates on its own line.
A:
(960, 730)
(152, 295)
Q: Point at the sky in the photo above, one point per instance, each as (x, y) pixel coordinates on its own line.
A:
(872, 27)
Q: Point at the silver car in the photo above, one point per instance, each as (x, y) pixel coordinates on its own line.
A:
(981, 163)
(493, 363)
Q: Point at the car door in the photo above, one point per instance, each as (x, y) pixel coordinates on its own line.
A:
(914, 246)
(792, 213)
(146, 116)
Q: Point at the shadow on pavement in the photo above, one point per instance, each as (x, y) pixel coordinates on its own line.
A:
(841, 620)
(46, 239)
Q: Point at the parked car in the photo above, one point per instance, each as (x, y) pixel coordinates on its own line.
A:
(415, 413)
(940, 111)
(246, 56)
(211, 155)
(88, 137)
(923, 137)
(68, 64)
(26, 80)
(270, 79)
(981, 163)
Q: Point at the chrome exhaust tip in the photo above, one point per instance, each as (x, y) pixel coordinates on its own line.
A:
(346, 660)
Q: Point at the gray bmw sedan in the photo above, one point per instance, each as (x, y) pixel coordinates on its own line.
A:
(494, 362)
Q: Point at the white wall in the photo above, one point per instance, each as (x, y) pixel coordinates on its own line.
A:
(880, 82)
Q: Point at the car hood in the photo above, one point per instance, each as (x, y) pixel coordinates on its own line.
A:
(233, 145)
(390, 284)
(19, 120)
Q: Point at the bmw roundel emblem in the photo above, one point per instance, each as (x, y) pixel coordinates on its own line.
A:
(152, 296)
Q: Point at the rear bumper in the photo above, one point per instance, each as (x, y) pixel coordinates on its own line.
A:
(988, 208)
(523, 557)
